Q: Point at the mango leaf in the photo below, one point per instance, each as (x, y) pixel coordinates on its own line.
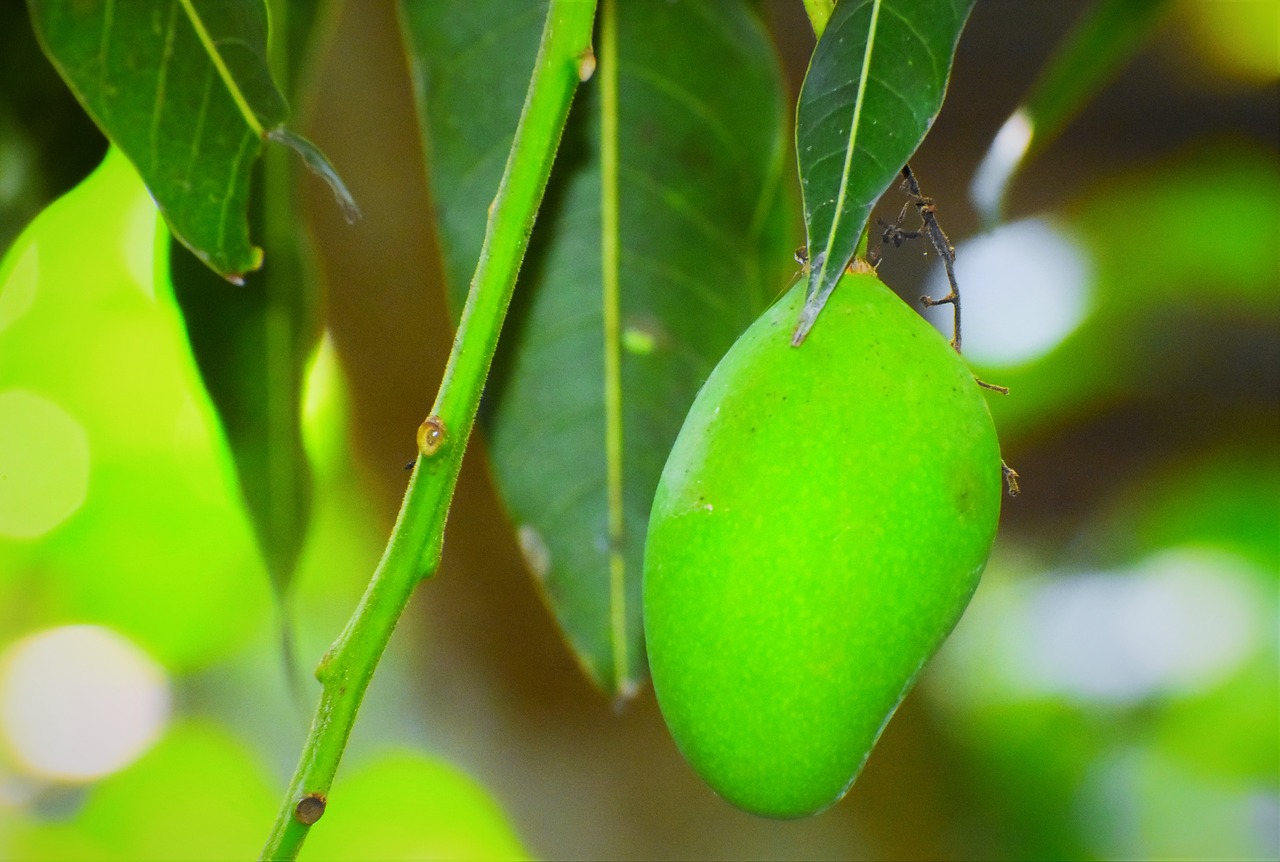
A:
(252, 345)
(1107, 36)
(184, 89)
(665, 231)
(873, 89)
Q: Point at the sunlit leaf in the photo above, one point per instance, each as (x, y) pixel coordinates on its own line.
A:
(1106, 37)
(664, 232)
(873, 89)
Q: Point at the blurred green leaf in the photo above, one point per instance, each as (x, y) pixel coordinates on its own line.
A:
(199, 794)
(405, 806)
(156, 544)
(1228, 733)
(819, 12)
(1146, 235)
(1029, 760)
(873, 89)
(251, 345)
(1229, 499)
(183, 88)
(664, 232)
(1107, 35)
(307, 26)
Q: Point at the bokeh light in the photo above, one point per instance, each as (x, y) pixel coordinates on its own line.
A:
(1025, 286)
(1177, 623)
(199, 793)
(44, 464)
(79, 702)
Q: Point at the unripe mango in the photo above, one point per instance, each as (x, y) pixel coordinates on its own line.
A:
(819, 528)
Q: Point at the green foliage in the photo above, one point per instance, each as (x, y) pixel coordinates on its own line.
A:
(153, 809)
(189, 109)
(1138, 288)
(250, 344)
(403, 805)
(873, 89)
(665, 232)
(1111, 693)
(1105, 38)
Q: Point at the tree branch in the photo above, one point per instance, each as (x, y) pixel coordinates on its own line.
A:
(413, 551)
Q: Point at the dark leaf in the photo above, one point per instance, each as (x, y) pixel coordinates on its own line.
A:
(251, 344)
(184, 89)
(873, 89)
(665, 231)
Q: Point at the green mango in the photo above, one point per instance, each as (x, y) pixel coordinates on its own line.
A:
(819, 527)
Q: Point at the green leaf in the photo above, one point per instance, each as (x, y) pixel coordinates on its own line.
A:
(873, 89)
(664, 233)
(1108, 35)
(183, 88)
(252, 345)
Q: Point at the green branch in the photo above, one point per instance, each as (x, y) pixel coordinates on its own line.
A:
(413, 551)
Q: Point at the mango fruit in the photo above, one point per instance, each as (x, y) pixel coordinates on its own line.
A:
(819, 527)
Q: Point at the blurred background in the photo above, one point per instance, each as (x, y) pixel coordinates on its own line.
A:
(1113, 691)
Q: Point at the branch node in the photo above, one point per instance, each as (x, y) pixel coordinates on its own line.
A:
(431, 436)
(309, 809)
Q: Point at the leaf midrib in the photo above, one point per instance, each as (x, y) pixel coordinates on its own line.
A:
(215, 56)
(609, 255)
(863, 77)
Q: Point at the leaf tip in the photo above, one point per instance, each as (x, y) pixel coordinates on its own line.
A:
(237, 278)
(319, 165)
(817, 293)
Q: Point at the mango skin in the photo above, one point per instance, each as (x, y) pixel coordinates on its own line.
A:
(819, 527)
